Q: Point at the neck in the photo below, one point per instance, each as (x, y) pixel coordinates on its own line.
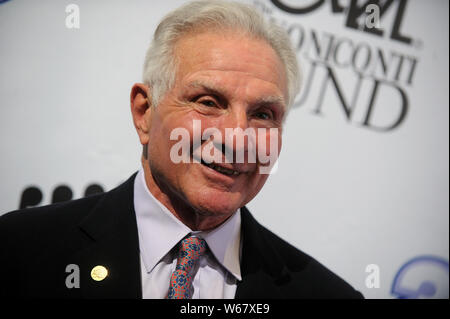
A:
(178, 206)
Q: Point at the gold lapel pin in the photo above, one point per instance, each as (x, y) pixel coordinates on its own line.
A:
(98, 273)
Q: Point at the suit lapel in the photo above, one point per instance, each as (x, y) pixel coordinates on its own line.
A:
(108, 237)
(113, 243)
(262, 272)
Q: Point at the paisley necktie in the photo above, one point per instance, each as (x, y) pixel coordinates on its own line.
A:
(190, 251)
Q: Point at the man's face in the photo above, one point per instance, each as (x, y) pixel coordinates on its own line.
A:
(223, 81)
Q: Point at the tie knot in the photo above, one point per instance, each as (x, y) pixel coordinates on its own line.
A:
(192, 248)
(190, 251)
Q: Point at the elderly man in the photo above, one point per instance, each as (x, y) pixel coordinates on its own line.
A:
(179, 227)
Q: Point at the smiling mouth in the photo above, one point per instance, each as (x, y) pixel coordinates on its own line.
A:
(220, 169)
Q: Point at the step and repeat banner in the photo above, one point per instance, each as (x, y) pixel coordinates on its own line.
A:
(362, 183)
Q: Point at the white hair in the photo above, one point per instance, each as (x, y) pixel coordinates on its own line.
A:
(160, 63)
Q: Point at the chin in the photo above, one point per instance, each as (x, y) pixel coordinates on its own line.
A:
(217, 203)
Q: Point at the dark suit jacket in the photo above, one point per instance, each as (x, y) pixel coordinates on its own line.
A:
(37, 244)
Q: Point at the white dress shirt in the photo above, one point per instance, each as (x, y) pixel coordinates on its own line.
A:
(160, 231)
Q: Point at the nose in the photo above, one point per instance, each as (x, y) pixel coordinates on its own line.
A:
(235, 118)
(237, 135)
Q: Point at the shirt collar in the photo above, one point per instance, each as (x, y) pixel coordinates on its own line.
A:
(159, 231)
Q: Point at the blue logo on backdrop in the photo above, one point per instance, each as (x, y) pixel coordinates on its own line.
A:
(422, 277)
(2, 1)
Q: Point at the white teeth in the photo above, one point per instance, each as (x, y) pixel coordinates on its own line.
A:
(223, 170)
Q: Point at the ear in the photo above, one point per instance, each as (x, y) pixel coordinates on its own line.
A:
(141, 110)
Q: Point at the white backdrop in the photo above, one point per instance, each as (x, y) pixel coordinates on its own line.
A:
(350, 192)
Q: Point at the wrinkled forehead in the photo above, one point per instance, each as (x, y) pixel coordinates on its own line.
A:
(230, 51)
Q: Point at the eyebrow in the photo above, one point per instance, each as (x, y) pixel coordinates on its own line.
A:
(206, 86)
(263, 101)
(272, 100)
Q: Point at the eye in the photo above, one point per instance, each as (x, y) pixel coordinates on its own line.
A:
(263, 115)
(207, 100)
(208, 103)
